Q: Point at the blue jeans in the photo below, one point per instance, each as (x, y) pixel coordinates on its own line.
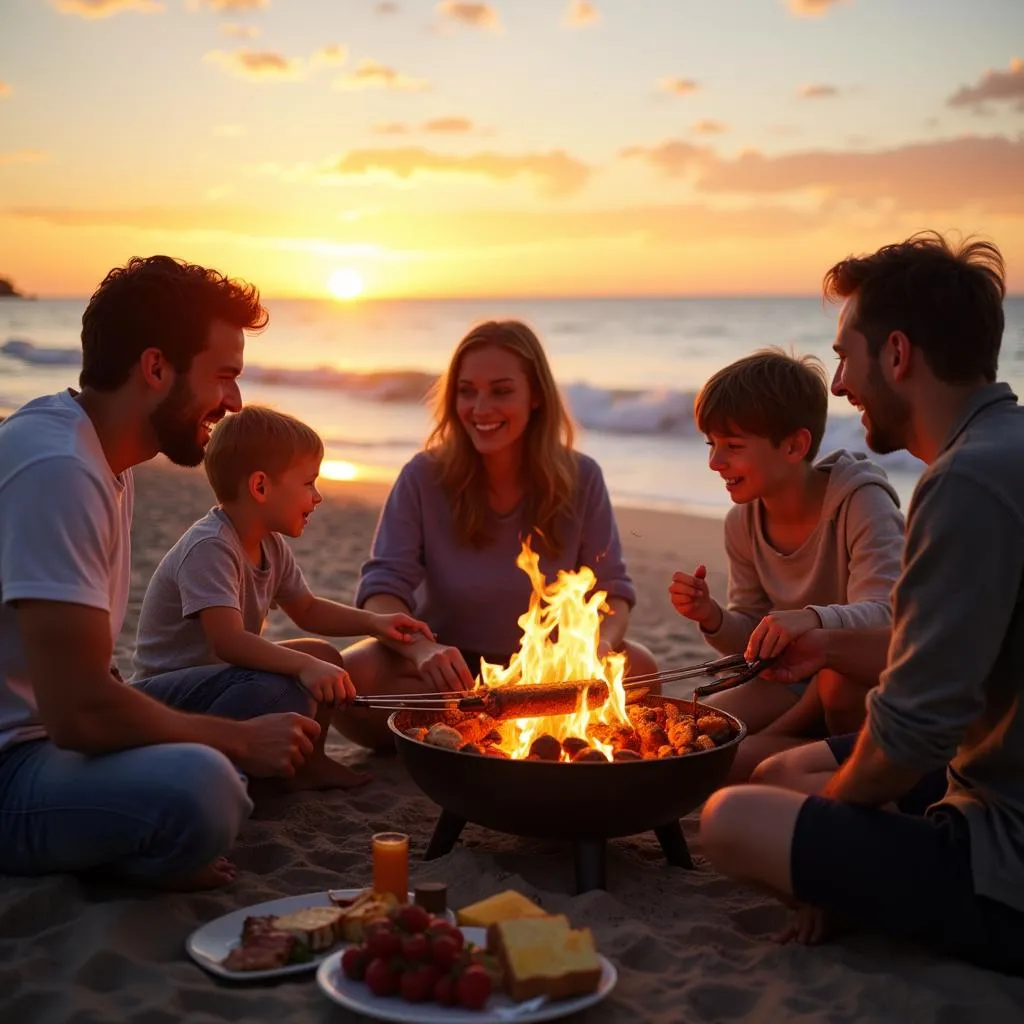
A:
(149, 813)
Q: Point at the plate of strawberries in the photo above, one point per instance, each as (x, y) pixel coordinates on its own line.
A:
(415, 966)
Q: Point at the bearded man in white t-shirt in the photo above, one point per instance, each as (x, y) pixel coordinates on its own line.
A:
(94, 773)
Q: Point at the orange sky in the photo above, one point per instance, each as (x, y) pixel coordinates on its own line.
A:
(535, 147)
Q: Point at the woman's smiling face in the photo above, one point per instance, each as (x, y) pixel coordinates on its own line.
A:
(493, 398)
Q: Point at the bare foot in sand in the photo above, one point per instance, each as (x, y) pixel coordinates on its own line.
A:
(323, 772)
(220, 872)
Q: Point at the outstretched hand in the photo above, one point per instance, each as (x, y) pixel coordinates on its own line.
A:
(777, 630)
(444, 668)
(801, 659)
(399, 626)
(808, 926)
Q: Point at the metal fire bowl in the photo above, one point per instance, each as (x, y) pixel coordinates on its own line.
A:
(557, 800)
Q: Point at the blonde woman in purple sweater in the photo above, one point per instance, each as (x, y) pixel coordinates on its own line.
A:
(499, 466)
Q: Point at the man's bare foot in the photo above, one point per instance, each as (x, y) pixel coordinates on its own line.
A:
(323, 772)
(220, 872)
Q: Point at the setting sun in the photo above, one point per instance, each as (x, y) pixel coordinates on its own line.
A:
(345, 283)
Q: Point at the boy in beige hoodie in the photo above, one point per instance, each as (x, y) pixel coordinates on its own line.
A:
(809, 544)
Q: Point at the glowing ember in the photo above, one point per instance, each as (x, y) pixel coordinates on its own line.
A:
(561, 634)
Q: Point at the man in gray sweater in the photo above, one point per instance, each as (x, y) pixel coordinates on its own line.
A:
(918, 345)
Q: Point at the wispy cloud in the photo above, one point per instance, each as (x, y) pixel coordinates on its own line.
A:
(817, 91)
(810, 8)
(232, 6)
(5, 89)
(105, 8)
(448, 125)
(706, 126)
(975, 173)
(475, 15)
(370, 74)
(994, 87)
(557, 173)
(329, 56)
(258, 65)
(235, 31)
(391, 128)
(24, 156)
(580, 14)
(385, 8)
(677, 86)
(269, 65)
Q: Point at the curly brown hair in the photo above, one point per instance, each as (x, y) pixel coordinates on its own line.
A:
(159, 302)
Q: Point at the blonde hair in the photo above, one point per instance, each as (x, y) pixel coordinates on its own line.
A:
(767, 394)
(253, 440)
(549, 464)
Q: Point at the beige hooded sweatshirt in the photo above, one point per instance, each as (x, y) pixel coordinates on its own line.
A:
(845, 570)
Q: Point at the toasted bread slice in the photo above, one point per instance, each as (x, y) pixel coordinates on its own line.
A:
(356, 917)
(543, 956)
(503, 906)
(317, 928)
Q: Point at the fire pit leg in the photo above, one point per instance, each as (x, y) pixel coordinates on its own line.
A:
(446, 833)
(589, 860)
(673, 845)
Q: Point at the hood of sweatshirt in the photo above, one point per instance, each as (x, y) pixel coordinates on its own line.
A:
(847, 472)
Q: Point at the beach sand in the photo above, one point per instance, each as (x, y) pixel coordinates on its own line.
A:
(689, 946)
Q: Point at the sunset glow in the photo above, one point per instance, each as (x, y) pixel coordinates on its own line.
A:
(310, 145)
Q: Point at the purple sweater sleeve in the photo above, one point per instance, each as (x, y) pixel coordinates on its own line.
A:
(600, 546)
(396, 564)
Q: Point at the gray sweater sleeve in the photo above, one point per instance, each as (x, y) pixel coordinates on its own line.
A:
(747, 603)
(874, 540)
(960, 584)
(396, 564)
(600, 546)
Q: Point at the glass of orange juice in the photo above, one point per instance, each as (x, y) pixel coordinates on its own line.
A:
(391, 864)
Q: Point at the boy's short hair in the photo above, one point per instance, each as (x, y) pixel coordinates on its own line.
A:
(256, 439)
(768, 394)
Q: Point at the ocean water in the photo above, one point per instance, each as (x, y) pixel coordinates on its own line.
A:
(629, 369)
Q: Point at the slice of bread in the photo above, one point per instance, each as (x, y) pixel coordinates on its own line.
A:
(316, 928)
(543, 956)
(504, 906)
(367, 908)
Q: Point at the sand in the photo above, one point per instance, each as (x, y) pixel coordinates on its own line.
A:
(689, 946)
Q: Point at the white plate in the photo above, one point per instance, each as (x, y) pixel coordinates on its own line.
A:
(354, 995)
(211, 943)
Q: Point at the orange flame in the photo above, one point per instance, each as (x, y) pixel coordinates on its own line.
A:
(561, 635)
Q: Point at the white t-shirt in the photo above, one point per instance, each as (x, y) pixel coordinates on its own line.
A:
(65, 535)
(208, 568)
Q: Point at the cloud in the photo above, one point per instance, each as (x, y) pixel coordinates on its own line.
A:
(475, 15)
(972, 172)
(677, 86)
(5, 89)
(809, 8)
(391, 128)
(329, 56)
(23, 156)
(234, 6)
(239, 31)
(817, 91)
(385, 8)
(708, 127)
(369, 74)
(995, 87)
(558, 173)
(105, 8)
(580, 14)
(258, 65)
(448, 125)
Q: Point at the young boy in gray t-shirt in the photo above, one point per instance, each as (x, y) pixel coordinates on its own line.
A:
(210, 595)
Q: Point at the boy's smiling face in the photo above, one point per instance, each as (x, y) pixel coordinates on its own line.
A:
(751, 466)
(292, 496)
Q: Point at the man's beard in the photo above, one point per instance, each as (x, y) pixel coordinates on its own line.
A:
(176, 422)
(888, 415)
